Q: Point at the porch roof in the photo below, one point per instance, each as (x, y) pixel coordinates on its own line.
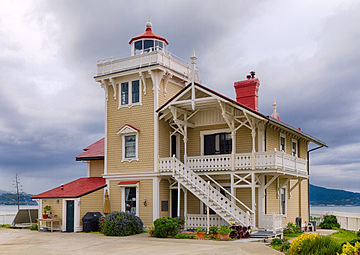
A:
(94, 151)
(238, 105)
(74, 189)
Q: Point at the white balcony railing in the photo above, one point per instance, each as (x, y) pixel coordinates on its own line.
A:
(270, 160)
(271, 222)
(200, 220)
(110, 65)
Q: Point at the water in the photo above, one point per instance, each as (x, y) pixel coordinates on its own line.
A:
(8, 212)
(346, 209)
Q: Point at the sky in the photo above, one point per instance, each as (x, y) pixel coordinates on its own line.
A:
(305, 53)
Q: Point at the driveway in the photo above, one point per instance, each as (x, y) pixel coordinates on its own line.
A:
(14, 241)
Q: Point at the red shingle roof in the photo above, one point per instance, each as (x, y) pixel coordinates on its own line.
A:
(93, 151)
(77, 188)
(149, 34)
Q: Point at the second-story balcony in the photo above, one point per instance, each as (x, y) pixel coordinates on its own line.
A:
(271, 161)
(148, 58)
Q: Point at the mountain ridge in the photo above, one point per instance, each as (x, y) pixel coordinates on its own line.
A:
(326, 196)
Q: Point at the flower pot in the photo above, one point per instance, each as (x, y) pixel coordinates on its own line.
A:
(224, 237)
(216, 235)
(200, 235)
(45, 216)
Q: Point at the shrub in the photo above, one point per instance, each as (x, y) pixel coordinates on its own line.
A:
(165, 227)
(349, 249)
(358, 233)
(224, 229)
(322, 245)
(296, 244)
(184, 236)
(329, 222)
(200, 230)
(121, 224)
(352, 242)
(276, 242)
(285, 247)
(292, 228)
(238, 232)
(34, 227)
(213, 230)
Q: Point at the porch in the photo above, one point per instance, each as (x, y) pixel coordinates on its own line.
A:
(270, 161)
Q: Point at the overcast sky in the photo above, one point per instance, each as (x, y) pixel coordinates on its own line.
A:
(305, 53)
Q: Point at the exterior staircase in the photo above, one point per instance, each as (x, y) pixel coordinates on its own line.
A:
(224, 207)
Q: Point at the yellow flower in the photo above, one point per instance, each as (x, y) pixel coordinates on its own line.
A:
(348, 249)
(296, 244)
(232, 223)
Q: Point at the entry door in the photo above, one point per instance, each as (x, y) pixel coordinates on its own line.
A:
(175, 146)
(174, 203)
(70, 216)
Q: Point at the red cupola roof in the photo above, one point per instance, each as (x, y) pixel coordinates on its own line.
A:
(148, 34)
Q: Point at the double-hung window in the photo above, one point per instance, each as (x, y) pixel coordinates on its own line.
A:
(130, 146)
(130, 143)
(294, 146)
(130, 93)
(283, 201)
(282, 142)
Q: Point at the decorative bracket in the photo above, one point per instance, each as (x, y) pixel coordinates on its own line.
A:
(113, 83)
(167, 77)
(142, 78)
(104, 85)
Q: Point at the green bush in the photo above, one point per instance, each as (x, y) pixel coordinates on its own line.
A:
(165, 227)
(213, 230)
(121, 224)
(292, 228)
(329, 222)
(184, 236)
(285, 247)
(34, 227)
(224, 229)
(358, 233)
(276, 242)
(352, 242)
(323, 245)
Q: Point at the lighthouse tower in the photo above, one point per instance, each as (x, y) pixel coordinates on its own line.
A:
(135, 87)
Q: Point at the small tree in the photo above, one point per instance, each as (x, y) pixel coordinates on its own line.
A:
(329, 222)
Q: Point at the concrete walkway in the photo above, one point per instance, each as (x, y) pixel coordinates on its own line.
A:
(26, 242)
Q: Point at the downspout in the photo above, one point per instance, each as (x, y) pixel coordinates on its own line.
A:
(266, 126)
(308, 169)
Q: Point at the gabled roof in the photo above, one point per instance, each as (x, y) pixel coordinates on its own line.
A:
(93, 151)
(127, 129)
(74, 189)
(235, 103)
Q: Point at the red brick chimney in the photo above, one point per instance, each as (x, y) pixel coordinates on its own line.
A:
(247, 91)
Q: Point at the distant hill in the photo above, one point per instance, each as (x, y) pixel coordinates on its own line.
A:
(324, 196)
(11, 199)
(3, 191)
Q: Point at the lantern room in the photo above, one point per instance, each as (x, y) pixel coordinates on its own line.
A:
(147, 42)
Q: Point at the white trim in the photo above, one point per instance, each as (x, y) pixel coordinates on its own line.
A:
(88, 168)
(106, 138)
(285, 195)
(136, 149)
(224, 185)
(156, 198)
(210, 132)
(282, 135)
(127, 129)
(177, 145)
(297, 149)
(77, 227)
(122, 187)
(130, 103)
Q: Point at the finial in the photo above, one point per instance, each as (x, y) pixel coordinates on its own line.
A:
(275, 115)
(148, 24)
(193, 57)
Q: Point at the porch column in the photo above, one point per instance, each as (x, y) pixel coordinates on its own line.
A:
(253, 201)
(253, 135)
(178, 202)
(233, 152)
(185, 139)
(185, 206)
(261, 200)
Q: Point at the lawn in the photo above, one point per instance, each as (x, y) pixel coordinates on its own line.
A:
(344, 235)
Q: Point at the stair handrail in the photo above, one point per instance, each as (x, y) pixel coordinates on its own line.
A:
(232, 196)
(210, 187)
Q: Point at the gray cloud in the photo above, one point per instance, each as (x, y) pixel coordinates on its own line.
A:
(306, 55)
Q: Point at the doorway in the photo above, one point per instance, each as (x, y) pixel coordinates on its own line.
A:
(70, 216)
(174, 203)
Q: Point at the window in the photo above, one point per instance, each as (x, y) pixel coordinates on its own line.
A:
(124, 93)
(283, 201)
(138, 45)
(158, 45)
(282, 142)
(130, 146)
(135, 91)
(148, 45)
(294, 148)
(220, 143)
(130, 200)
(130, 94)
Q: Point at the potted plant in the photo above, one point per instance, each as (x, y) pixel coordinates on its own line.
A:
(200, 233)
(224, 232)
(214, 231)
(47, 208)
(151, 230)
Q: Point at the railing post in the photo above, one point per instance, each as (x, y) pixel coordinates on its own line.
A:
(207, 207)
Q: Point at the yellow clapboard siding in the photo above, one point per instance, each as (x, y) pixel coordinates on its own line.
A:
(93, 202)
(96, 168)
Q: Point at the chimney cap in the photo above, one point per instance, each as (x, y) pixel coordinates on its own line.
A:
(252, 73)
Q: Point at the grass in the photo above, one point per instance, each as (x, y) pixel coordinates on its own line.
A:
(292, 235)
(5, 226)
(344, 235)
